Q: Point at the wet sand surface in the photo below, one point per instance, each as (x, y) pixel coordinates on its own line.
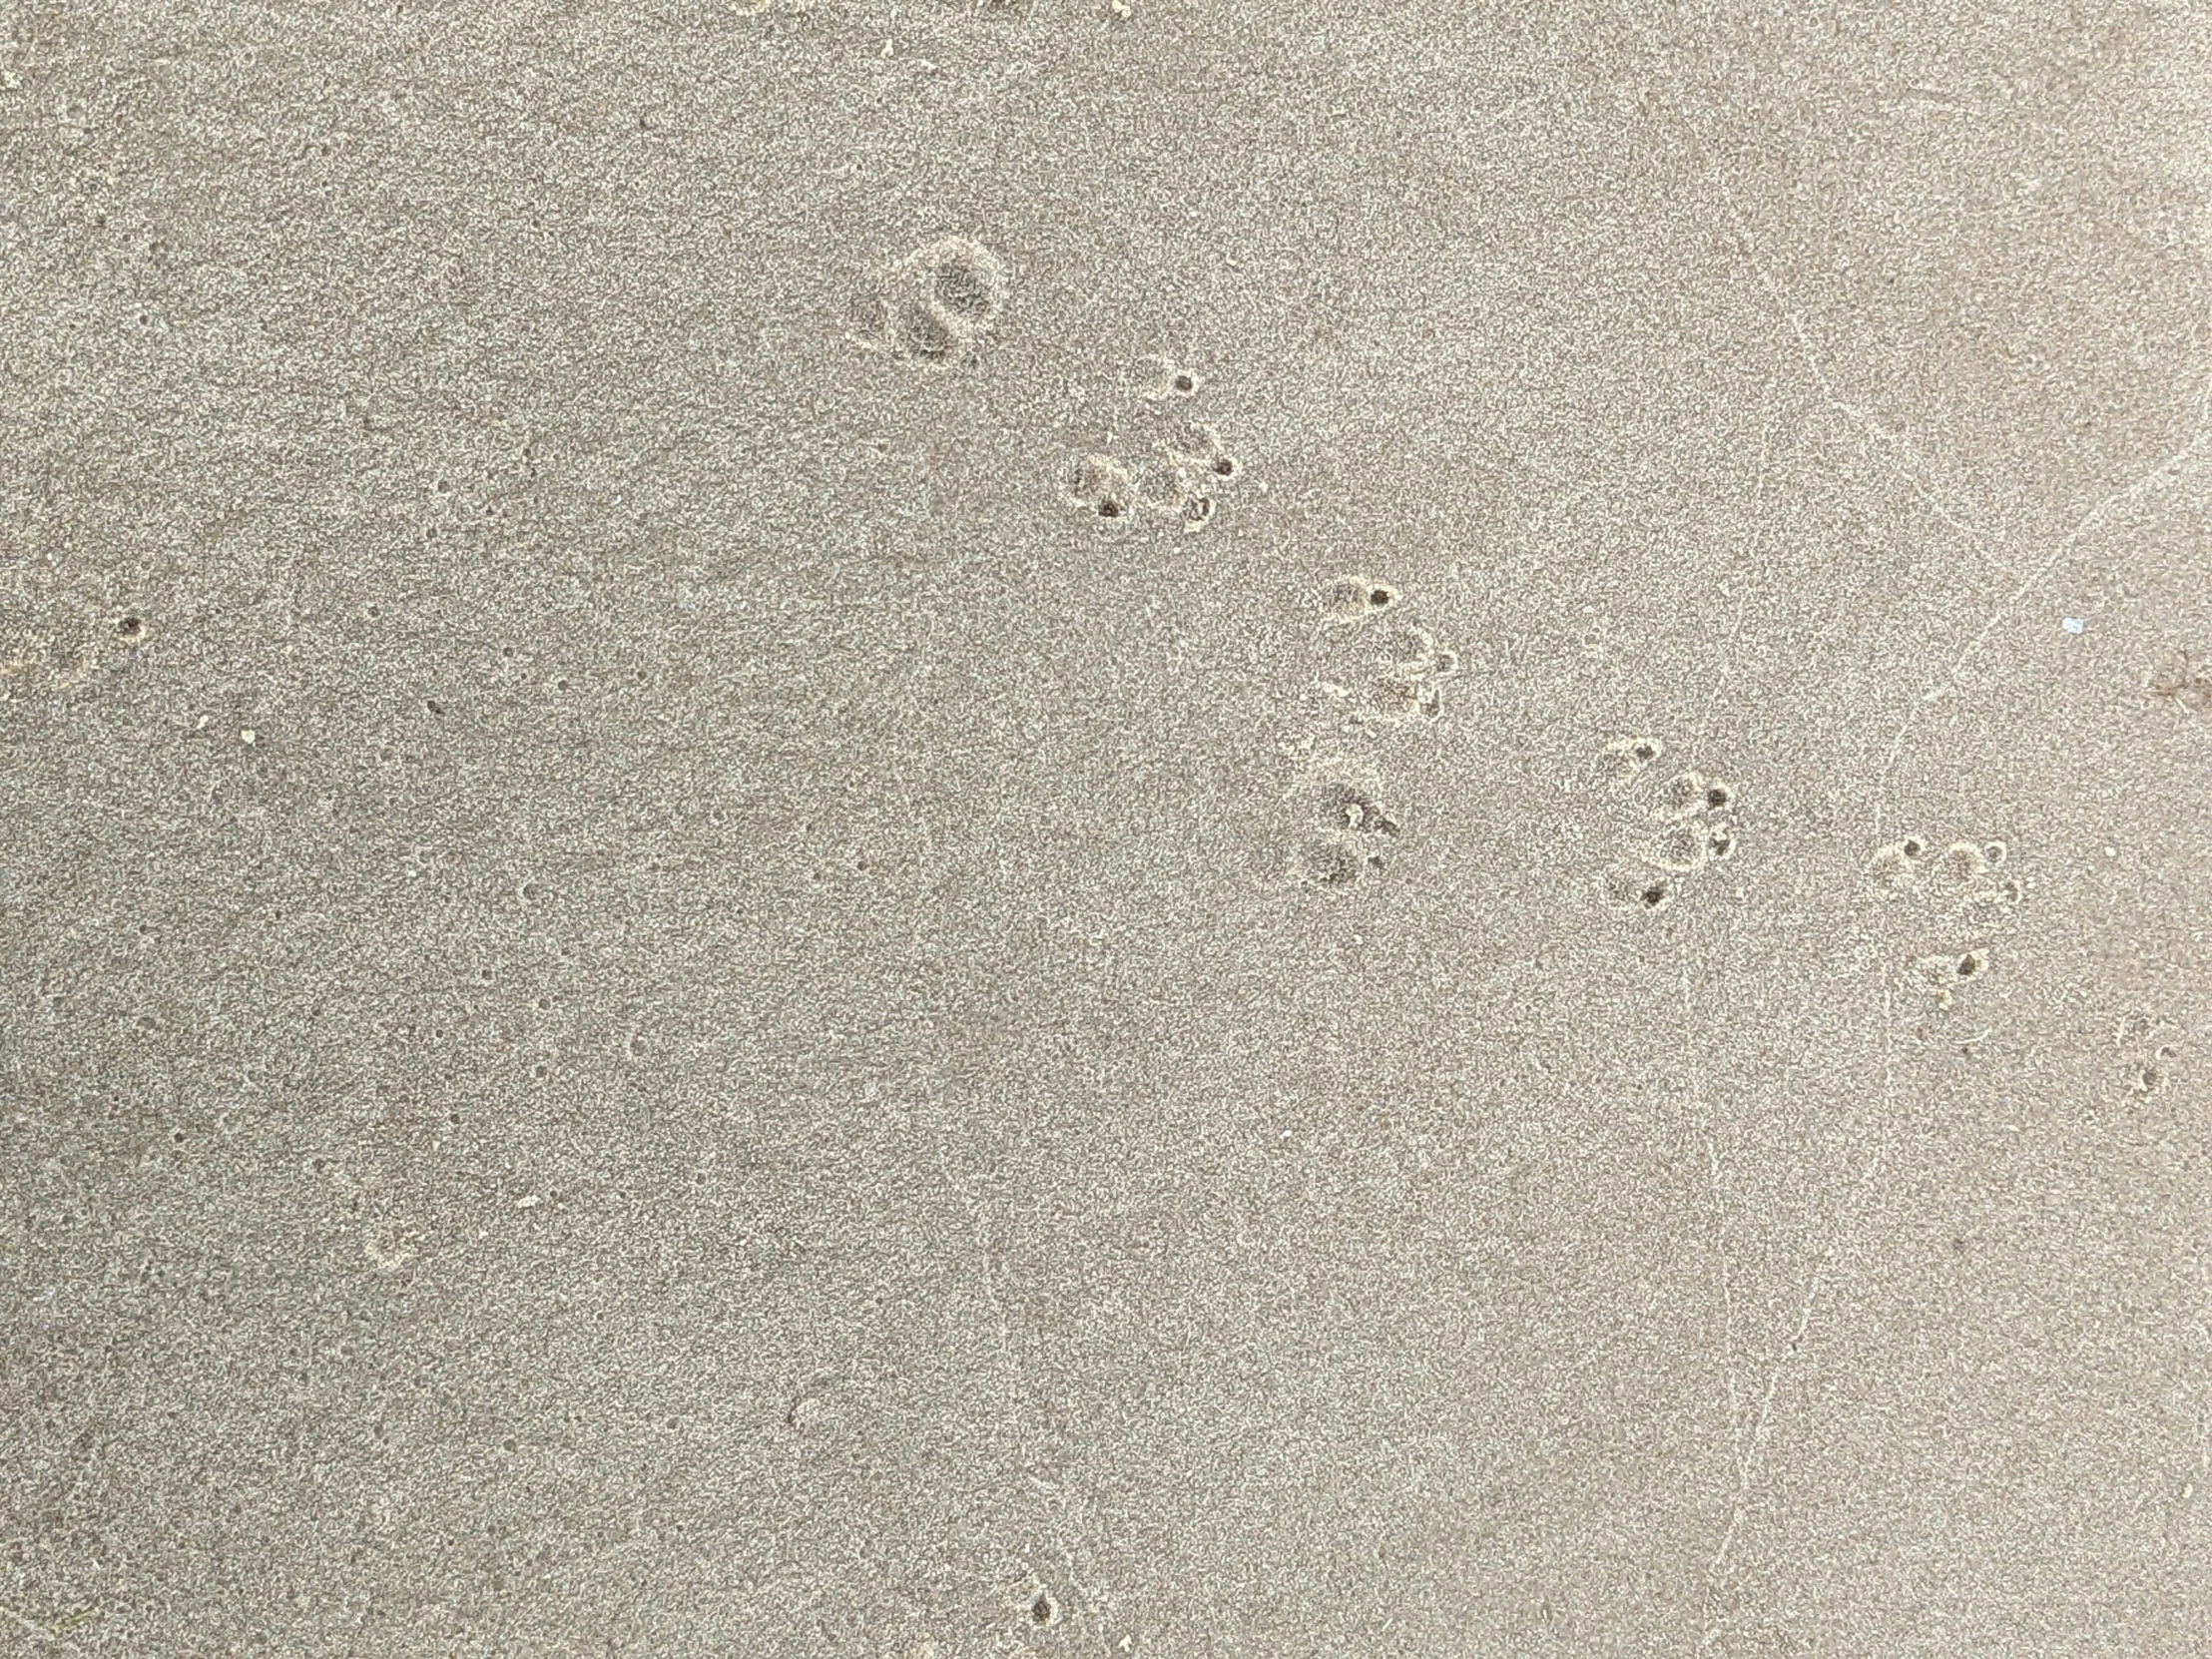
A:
(1182, 831)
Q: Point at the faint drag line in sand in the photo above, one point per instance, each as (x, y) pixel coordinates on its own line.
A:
(2164, 475)
(1748, 1443)
(1911, 468)
(1757, 540)
(1904, 463)
(1847, 1214)
(1704, 1111)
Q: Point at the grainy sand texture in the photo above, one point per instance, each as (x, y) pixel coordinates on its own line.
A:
(1194, 831)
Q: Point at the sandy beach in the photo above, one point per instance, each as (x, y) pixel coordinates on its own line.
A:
(1207, 832)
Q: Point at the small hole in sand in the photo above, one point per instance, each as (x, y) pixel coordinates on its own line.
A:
(1109, 509)
(129, 627)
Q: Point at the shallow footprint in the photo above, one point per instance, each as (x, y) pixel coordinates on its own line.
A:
(942, 300)
(1335, 861)
(1102, 485)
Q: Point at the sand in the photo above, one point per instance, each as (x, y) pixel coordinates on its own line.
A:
(1184, 831)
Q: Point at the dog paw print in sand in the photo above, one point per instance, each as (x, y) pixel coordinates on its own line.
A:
(2149, 1048)
(1955, 879)
(1380, 667)
(1340, 827)
(1670, 825)
(937, 304)
(1179, 474)
(1945, 900)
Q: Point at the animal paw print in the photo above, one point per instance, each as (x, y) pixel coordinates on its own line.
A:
(1944, 971)
(1957, 891)
(1383, 668)
(2149, 1047)
(1102, 485)
(940, 301)
(1342, 826)
(1181, 477)
(1960, 879)
(1670, 830)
